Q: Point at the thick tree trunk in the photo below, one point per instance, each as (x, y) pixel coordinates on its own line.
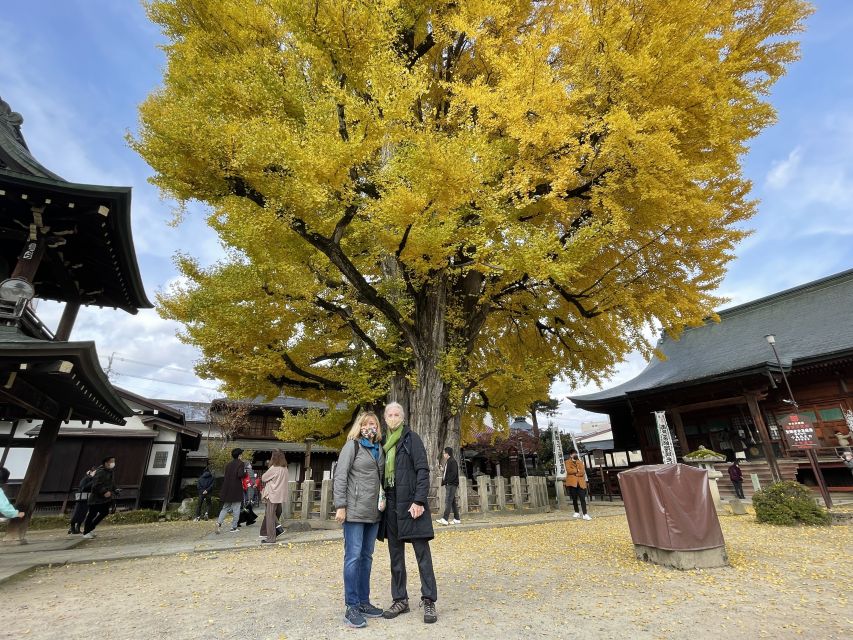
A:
(427, 400)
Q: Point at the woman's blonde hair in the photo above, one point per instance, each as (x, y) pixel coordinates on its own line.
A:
(355, 432)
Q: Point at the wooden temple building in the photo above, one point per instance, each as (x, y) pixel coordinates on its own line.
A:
(69, 243)
(721, 385)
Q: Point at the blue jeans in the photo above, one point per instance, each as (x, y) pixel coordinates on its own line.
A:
(359, 541)
(234, 508)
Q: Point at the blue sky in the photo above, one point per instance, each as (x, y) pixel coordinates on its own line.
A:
(76, 70)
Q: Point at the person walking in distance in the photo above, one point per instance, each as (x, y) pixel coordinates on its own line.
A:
(274, 494)
(407, 516)
(736, 476)
(81, 507)
(101, 496)
(576, 482)
(232, 491)
(359, 502)
(205, 486)
(450, 482)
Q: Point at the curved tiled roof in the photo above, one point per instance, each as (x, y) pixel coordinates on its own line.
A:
(812, 321)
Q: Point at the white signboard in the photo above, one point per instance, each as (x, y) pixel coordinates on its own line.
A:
(667, 448)
(559, 462)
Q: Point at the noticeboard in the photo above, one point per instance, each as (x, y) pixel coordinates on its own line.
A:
(799, 433)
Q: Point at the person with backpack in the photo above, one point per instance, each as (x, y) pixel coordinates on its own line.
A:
(205, 486)
(359, 501)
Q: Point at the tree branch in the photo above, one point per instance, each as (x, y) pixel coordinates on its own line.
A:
(327, 384)
(347, 317)
(575, 300)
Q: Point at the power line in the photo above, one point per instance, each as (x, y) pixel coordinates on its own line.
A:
(179, 384)
(147, 364)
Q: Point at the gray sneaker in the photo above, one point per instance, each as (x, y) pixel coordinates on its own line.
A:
(398, 607)
(369, 611)
(354, 619)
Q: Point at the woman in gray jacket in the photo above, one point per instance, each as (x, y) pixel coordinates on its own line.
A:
(358, 502)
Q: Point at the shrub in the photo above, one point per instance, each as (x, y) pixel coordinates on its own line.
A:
(43, 523)
(139, 516)
(788, 503)
(215, 507)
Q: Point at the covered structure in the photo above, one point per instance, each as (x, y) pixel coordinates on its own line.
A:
(70, 243)
(721, 386)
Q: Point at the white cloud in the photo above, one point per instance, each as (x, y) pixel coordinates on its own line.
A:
(781, 173)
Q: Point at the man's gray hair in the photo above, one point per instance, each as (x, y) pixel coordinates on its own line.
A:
(395, 405)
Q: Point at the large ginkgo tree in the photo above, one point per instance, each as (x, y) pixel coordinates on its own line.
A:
(449, 203)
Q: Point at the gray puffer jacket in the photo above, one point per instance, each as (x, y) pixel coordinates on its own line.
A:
(358, 478)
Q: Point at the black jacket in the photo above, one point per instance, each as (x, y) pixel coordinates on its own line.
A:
(205, 482)
(232, 483)
(451, 473)
(411, 485)
(102, 483)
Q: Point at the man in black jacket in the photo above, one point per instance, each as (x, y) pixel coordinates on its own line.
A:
(205, 485)
(232, 491)
(101, 496)
(406, 516)
(450, 482)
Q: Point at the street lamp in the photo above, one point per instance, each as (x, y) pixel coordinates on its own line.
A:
(810, 454)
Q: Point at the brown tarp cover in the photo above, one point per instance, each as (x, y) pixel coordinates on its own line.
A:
(669, 507)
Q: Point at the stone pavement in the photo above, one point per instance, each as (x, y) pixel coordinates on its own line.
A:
(120, 542)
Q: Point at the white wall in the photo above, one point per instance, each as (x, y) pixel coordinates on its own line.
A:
(17, 461)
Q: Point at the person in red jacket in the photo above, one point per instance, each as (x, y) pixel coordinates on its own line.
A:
(736, 476)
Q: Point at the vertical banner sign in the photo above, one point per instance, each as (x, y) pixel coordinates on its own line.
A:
(667, 449)
(559, 462)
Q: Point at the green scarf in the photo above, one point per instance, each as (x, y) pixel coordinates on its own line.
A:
(390, 449)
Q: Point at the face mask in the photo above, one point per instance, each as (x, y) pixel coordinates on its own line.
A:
(111, 465)
(368, 431)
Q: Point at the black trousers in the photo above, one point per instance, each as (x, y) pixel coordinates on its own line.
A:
(78, 516)
(397, 553)
(738, 485)
(201, 500)
(578, 494)
(97, 512)
(450, 501)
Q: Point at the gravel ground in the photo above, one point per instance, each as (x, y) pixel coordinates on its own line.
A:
(553, 580)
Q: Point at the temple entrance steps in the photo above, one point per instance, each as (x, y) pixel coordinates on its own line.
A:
(761, 468)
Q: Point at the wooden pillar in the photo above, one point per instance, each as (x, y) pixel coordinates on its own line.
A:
(758, 419)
